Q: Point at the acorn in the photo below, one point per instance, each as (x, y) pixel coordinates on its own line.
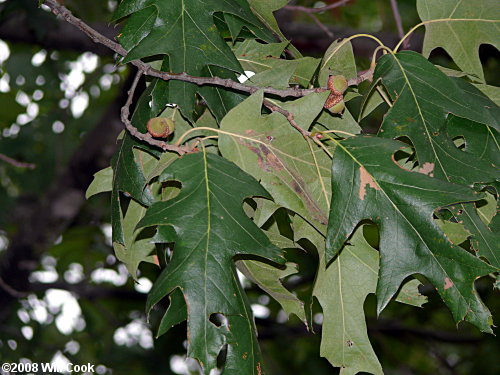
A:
(337, 108)
(337, 84)
(160, 127)
(335, 103)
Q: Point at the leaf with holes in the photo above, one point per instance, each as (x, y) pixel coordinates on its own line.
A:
(368, 184)
(426, 109)
(423, 98)
(483, 142)
(209, 227)
(460, 27)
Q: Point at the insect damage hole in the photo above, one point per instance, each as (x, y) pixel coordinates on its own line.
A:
(218, 320)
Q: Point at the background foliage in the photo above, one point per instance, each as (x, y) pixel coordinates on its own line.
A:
(66, 295)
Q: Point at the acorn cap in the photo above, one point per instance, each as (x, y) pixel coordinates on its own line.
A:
(338, 84)
(160, 127)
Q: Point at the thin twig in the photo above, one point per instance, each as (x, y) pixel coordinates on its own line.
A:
(399, 23)
(321, 25)
(146, 137)
(289, 116)
(16, 163)
(301, 8)
(60, 10)
(13, 292)
(364, 75)
(146, 69)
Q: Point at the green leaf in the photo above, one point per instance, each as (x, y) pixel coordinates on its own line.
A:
(481, 140)
(268, 148)
(259, 58)
(492, 92)
(338, 60)
(371, 102)
(456, 232)
(368, 184)
(207, 223)
(176, 312)
(343, 123)
(129, 175)
(277, 77)
(410, 295)
(268, 278)
(488, 210)
(102, 182)
(464, 27)
(264, 11)
(134, 250)
(483, 240)
(342, 291)
(185, 31)
(423, 98)
(457, 109)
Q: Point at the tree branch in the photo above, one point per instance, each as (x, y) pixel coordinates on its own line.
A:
(16, 28)
(60, 10)
(289, 116)
(15, 163)
(309, 39)
(148, 138)
(399, 22)
(320, 25)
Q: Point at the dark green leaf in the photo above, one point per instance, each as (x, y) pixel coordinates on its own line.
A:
(368, 184)
(207, 223)
(185, 31)
(423, 98)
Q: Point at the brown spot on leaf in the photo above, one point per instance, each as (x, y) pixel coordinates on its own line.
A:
(365, 179)
(447, 283)
(245, 355)
(349, 343)
(269, 161)
(427, 169)
(259, 369)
